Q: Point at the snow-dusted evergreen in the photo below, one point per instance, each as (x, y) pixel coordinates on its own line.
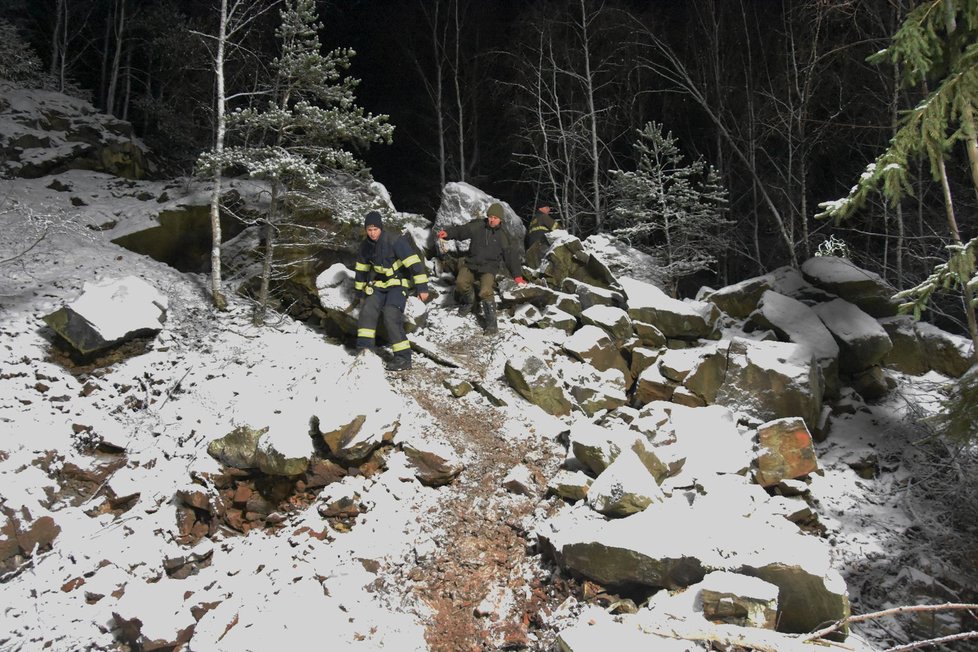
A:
(669, 207)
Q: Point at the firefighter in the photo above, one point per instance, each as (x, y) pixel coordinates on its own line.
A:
(387, 268)
(536, 236)
(491, 252)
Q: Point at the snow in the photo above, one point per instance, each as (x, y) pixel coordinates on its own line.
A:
(207, 373)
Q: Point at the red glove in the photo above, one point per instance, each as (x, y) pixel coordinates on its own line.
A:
(442, 234)
(520, 280)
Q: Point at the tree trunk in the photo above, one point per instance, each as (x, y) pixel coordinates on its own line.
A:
(593, 119)
(268, 232)
(952, 223)
(56, 55)
(458, 97)
(119, 28)
(217, 294)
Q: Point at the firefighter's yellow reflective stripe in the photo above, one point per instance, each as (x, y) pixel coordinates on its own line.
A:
(362, 267)
(389, 283)
(386, 271)
(368, 333)
(359, 285)
(420, 278)
(403, 345)
(538, 228)
(413, 259)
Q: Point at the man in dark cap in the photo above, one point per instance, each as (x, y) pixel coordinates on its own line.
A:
(387, 268)
(490, 251)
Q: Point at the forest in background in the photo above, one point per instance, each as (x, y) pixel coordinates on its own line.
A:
(543, 102)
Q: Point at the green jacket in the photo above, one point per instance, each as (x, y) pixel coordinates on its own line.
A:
(490, 250)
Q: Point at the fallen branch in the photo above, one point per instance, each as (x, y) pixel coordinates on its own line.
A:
(839, 624)
(963, 636)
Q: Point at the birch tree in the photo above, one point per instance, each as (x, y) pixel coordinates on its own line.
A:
(307, 129)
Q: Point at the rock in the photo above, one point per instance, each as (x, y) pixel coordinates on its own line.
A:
(527, 315)
(571, 485)
(861, 287)
(795, 322)
(596, 447)
(649, 335)
(461, 203)
(623, 260)
(652, 385)
(949, 354)
(740, 300)
(626, 487)
(590, 296)
(595, 390)
(76, 137)
(520, 480)
(739, 600)
(785, 451)
(872, 384)
(772, 380)
(457, 386)
(238, 448)
(595, 347)
(554, 317)
(674, 543)
(110, 312)
(336, 295)
(284, 452)
(708, 372)
(674, 318)
(908, 354)
(567, 258)
(614, 321)
(168, 624)
(354, 423)
(435, 463)
(791, 283)
(862, 341)
(642, 359)
(532, 379)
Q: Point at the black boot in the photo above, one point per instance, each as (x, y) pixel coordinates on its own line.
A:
(399, 363)
(489, 310)
(465, 303)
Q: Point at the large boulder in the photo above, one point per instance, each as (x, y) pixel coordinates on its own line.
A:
(624, 260)
(907, 354)
(785, 452)
(595, 347)
(284, 452)
(614, 321)
(238, 448)
(625, 487)
(461, 203)
(675, 543)
(740, 300)
(674, 318)
(110, 312)
(793, 321)
(46, 133)
(567, 258)
(862, 341)
(949, 354)
(533, 379)
(841, 277)
(772, 380)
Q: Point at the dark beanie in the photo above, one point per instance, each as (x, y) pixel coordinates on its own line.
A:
(495, 210)
(373, 218)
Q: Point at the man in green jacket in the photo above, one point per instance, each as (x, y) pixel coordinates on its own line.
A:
(490, 251)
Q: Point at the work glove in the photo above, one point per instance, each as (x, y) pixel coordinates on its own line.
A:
(442, 234)
(520, 280)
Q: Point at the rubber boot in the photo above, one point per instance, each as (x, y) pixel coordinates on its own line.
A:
(466, 301)
(489, 311)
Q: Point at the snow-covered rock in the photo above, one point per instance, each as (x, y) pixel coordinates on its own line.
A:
(862, 340)
(841, 277)
(675, 318)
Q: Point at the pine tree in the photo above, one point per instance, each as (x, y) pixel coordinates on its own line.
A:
(668, 207)
(935, 47)
(307, 129)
